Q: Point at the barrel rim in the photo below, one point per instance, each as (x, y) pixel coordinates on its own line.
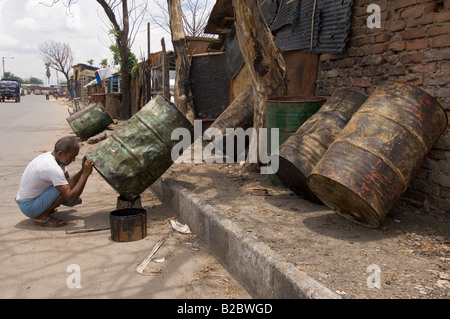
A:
(297, 99)
(128, 212)
(371, 219)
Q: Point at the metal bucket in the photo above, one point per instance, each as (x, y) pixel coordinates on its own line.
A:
(287, 114)
(370, 164)
(301, 152)
(139, 152)
(89, 121)
(128, 224)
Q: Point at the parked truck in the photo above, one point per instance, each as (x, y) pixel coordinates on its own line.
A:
(9, 90)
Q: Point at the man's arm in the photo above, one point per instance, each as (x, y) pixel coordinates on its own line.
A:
(73, 190)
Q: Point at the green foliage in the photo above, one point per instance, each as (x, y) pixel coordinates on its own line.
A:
(114, 48)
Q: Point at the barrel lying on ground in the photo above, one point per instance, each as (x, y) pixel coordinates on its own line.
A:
(370, 164)
(139, 152)
(89, 121)
(301, 152)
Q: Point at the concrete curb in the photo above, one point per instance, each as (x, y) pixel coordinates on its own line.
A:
(262, 272)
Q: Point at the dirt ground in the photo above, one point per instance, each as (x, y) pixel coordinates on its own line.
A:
(407, 257)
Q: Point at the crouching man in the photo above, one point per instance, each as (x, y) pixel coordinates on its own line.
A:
(46, 184)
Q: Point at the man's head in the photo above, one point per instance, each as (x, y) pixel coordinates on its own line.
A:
(66, 149)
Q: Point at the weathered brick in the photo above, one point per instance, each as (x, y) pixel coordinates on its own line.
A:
(445, 68)
(436, 54)
(397, 46)
(439, 179)
(445, 193)
(443, 92)
(423, 20)
(437, 80)
(441, 17)
(414, 33)
(355, 52)
(440, 41)
(361, 82)
(397, 25)
(325, 57)
(359, 42)
(438, 29)
(408, 58)
(397, 70)
(413, 11)
(417, 44)
(429, 67)
(376, 48)
(424, 186)
(398, 4)
(382, 37)
(442, 204)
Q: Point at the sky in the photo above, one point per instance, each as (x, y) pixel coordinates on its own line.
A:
(26, 24)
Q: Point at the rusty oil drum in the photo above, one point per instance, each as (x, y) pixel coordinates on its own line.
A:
(301, 152)
(89, 121)
(139, 152)
(370, 164)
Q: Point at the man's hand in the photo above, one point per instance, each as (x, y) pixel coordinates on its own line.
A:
(88, 165)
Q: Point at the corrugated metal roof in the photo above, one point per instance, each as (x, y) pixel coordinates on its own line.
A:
(330, 31)
(288, 13)
(269, 9)
(233, 59)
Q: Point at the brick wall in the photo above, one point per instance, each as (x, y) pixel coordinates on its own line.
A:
(411, 45)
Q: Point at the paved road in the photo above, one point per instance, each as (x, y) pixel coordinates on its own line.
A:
(41, 262)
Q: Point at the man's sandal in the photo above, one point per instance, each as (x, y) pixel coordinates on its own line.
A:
(50, 222)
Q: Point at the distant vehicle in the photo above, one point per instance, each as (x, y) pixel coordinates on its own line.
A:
(37, 92)
(9, 90)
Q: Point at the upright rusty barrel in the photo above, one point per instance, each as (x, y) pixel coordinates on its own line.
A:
(89, 121)
(139, 152)
(288, 113)
(370, 164)
(302, 151)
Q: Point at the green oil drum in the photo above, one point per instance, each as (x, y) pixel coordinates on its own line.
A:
(139, 152)
(373, 159)
(89, 121)
(287, 114)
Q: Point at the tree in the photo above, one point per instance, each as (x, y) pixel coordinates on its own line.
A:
(9, 75)
(182, 90)
(47, 72)
(194, 13)
(262, 58)
(124, 39)
(125, 21)
(59, 56)
(33, 80)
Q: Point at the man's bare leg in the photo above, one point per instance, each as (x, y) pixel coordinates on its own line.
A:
(59, 200)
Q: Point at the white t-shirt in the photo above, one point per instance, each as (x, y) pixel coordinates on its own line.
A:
(40, 174)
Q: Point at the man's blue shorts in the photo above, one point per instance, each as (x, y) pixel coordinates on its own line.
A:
(34, 207)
